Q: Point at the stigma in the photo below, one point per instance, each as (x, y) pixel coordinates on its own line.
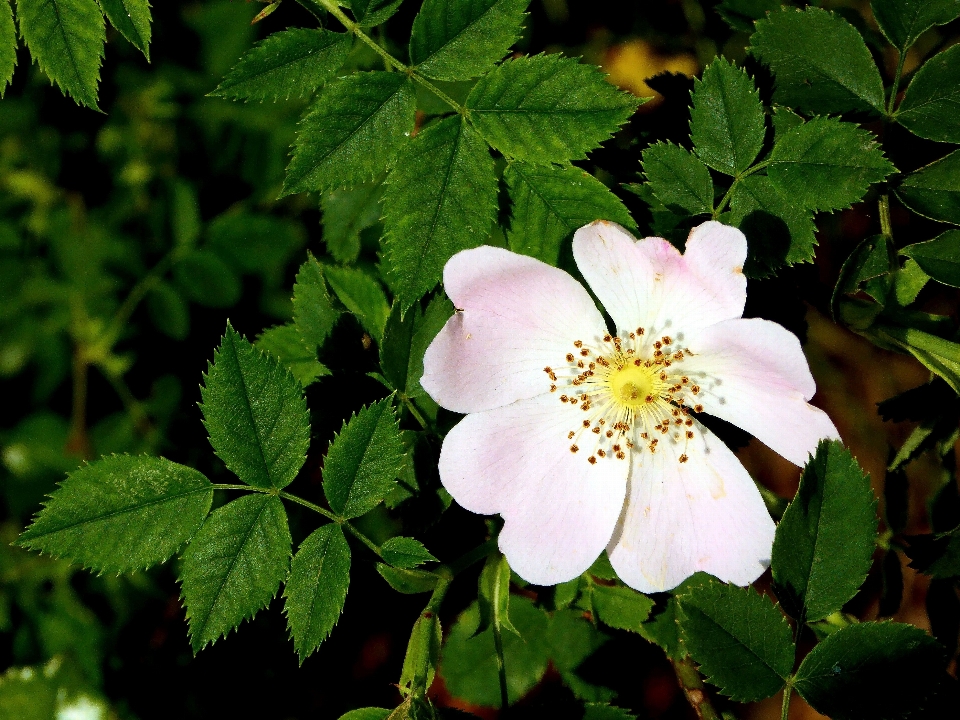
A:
(632, 392)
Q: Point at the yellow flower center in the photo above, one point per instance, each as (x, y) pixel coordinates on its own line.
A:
(634, 386)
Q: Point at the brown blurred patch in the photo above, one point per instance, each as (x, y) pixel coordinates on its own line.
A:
(630, 63)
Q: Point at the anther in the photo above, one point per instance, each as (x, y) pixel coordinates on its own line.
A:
(689, 434)
(695, 389)
(563, 398)
(570, 435)
(607, 338)
(569, 357)
(584, 352)
(667, 339)
(578, 343)
(621, 455)
(639, 331)
(553, 388)
(683, 458)
(601, 452)
(698, 408)
(592, 460)
(573, 448)
(586, 423)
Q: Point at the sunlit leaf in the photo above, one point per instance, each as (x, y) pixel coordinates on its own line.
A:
(285, 343)
(405, 553)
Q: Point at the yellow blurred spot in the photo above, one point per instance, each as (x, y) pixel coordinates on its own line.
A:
(629, 64)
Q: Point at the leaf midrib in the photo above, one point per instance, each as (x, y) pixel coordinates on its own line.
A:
(453, 38)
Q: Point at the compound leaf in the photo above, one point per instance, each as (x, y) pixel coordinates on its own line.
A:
(313, 311)
(132, 19)
(931, 103)
(363, 297)
(317, 588)
(286, 343)
(373, 12)
(547, 108)
(678, 178)
(234, 565)
(255, 413)
(903, 21)
(290, 63)
(8, 46)
(621, 607)
(121, 513)
(939, 258)
(934, 191)
(441, 198)
(346, 213)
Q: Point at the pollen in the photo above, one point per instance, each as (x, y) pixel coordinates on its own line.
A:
(574, 448)
(683, 458)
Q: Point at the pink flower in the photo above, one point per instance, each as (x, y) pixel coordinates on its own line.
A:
(584, 440)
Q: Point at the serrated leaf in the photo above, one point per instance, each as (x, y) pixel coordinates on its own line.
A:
(363, 460)
(121, 513)
(286, 344)
(939, 258)
(741, 14)
(597, 711)
(313, 311)
(8, 46)
(938, 355)
(317, 588)
(132, 19)
(661, 629)
(373, 12)
(206, 279)
(255, 413)
(547, 108)
(740, 639)
(354, 130)
(550, 203)
(571, 640)
(290, 63)
(346, 213)
(408, 582)
(66, 39)
(820, 62)
(441, 198)
(903, 21)
(405, 553)
(929, 107)
(727, 123)
(493, 595)
(234, 565)
(824, 544)
(423, 654)
(827, 164)
(934, 190)
(880, 671)
(778, 231)
(405, 340)
(621, 607)
(678, 178)
(460, 39)
(363, 297)
(169, 311)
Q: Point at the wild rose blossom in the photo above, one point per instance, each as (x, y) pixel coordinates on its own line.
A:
(584, 440)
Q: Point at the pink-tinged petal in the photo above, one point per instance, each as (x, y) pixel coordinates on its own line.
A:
(703, 514)
(649, 284)
(516, 316)
(753, 373)
(559, 510)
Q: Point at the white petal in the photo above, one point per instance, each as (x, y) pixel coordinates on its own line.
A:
(703, 514)
(649, 284)
(559, 511)
(517, 316)
(753, 373)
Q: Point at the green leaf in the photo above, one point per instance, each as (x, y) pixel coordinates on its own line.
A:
(373, 12)
(366, 714)
(290, 63)
(132, 19)
(571, 639)
(346, 213)
(741, 14)
(206, 279)
(8, 46)
(493, 596)
(185, 222)
(929, 107)
(824, 544)
(469, 666)
(121, 513)
(936, 555)
(363, 460)
(621, 607)
(778, 232)
(355, 129)
(405, 340)
(827, 164)
(408, 582)
(903, 21)
(405, 553)
(661, 629)
(423, 653)
(313, 311)
(286, 344)
(938, 355)
(550, 203)
(441, 198)
(547, 108)
(317, 587)
(234, 565)
(727, 123)
(460, 39)
(939, 258)
(255, 413)
(363, 297)
(255, 242)
(678, 179)
(169, 311)
(934, 191)
(740, 639)
(597, 711)
(820, 62)
(66, 39)
(871, 670)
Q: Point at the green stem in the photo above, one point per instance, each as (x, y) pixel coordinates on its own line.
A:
(138, 293)
(886, 227)
(694, 690)
(785, 708)
(896, 84)
(438, 92)
(408, 403)
(501, 667)
(746, 173)
(307, 504)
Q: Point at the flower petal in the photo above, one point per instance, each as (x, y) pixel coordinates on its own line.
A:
(559, 510)
(703, 514)
(516, 316)
(649, 284)
(753, 373)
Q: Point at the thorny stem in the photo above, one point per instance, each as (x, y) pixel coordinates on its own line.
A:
(693, 689)
(388, 59)
(785, 708)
